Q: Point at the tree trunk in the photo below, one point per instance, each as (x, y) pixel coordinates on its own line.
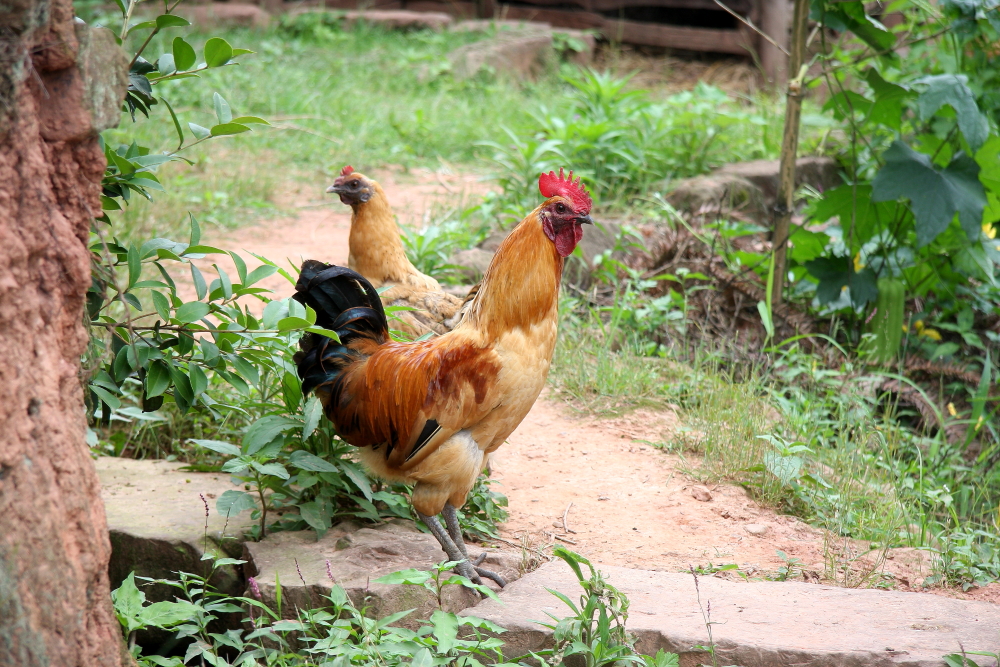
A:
(785, 203)
(60, 83)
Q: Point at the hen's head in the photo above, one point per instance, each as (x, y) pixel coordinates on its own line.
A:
(352, 187)
(565, 211)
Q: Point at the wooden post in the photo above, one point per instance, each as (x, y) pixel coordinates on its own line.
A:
(774, 21)
(785, 203)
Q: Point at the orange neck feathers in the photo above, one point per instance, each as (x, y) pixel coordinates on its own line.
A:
(376, 249)
(521, 287)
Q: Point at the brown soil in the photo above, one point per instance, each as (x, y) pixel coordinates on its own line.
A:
(628, 503)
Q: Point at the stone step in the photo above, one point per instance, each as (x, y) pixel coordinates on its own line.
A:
(158, 524)
(758, 624)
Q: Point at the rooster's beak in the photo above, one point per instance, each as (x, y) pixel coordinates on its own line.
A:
(585, 220)
(334, 189)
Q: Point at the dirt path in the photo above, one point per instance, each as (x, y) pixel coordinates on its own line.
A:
(631, 504)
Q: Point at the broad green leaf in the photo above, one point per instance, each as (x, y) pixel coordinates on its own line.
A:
(200, 288)
(195, 231)
(935, 194)
(203, 250)
(837, 273)
(199, 381)
(889, 97)
(264, 430)
(110, 399)
(165, 64)
(241, 267)
(134, 265)
(333, 334)
(785, 468)
(258, 274)
(408, 576)
(445, 629)
(217, 446)
(218, 52)
(199, 131)
(305, 461)
(128, 599)
(161, 305)
(359, 478)
(171, 21)
(225, 282)
(313, 412)
(274, 311)
(191, 311)
(184, 55)
(953, 90)
(222, 111)
(293, 323)
(245, 368)
(851, 16)
(226, 129)
(232, 502)
(312, 513)
(157, 379)
(168, 614)
(240, 52)
(273, 469)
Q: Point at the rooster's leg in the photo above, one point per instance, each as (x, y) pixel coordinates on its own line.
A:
(455, 531)
(464, 567)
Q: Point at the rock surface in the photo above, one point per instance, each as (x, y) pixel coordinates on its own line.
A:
(356, 557)
(760, 624)
(821, 173)
(158, 524)
(400, 19)
(228, 14)
(513, 53)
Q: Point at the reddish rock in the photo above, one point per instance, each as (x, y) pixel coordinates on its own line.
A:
(55, 605)
(701, 493)
(400, 19)
(513, 54)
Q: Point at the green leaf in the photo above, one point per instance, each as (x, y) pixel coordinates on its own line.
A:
(359, 478)
(222, 111)
(312, 412)
(245, 368)
(445, 629)
(258, 274)
(226, 129)
(168, 614)
(240, 52)
(851, 16)
(409, 576)
(293, 323)
(173, 117)
(199, 381)
(241, 267)
(199, 131)
(935, 195)
(165, 64)
(218, 52)
(264, 430)
(305, 461)
(889, 97)
(837, 273)
(233, 502)
(203, 250)
(312, 513)
(157, 379)
(161, 305)
(184, 55)
(192, 311)
(217, 446)
(225, 282)
(785, 468)
(134, 265)
(953, 90)
(171, 21)
(326, 332)
(273, 469)
(110, 399)
(128, 599)
(200, 288)
(195, 231)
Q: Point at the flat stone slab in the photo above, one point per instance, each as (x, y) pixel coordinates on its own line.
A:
(758, 624)
(355, 557)
(157, 522)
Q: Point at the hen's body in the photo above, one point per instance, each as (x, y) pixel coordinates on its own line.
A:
(428, 413)
(376, 252)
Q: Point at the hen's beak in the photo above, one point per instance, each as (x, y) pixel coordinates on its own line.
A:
(585, 220)
(334, 189)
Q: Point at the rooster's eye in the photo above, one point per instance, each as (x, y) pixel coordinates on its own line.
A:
(560, 208)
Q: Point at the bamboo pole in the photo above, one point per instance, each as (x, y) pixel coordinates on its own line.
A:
(785, 203)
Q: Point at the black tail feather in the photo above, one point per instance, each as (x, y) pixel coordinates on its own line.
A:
(345, 302)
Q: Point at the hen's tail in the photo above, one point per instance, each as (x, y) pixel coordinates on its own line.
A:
(345, 303)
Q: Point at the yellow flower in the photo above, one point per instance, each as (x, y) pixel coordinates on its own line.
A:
(989, 230)
(919, 326)
(931, 333)
(906, 329)
(951, 410)
(858, 264)
(979, 423)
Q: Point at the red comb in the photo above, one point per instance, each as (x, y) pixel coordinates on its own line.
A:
(347, 171)
(551, 185)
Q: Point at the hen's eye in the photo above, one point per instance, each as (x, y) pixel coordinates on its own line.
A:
(560, 208)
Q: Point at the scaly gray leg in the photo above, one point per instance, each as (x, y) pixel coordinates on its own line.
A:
(450, 515)
(464, 567)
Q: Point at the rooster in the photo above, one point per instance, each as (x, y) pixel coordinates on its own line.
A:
(428, 413)
(376, 252)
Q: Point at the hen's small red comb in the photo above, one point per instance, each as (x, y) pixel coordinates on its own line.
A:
(551, 185)
(347, 171)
